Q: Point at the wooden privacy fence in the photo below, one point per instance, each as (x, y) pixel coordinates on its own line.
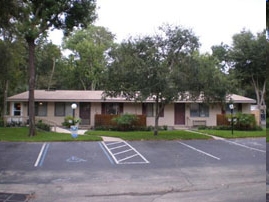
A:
(106, 120)
(222, 120)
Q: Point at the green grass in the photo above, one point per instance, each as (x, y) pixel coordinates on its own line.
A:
(267, 135)
(236, 133)
(148, 135)
(20, 134)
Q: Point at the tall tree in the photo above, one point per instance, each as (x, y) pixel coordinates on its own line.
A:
(12, 70)
(89, 47)
(162, 67)
(35, 17)
(47, 57)
(248, 55)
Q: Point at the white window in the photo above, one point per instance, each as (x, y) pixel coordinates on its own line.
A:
(17, 109)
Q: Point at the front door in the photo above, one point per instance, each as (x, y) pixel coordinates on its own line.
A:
(179, 114)
(85, 113)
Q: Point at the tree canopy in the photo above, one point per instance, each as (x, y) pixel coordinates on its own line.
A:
(165, 67)
(89, 48)
(34, 18)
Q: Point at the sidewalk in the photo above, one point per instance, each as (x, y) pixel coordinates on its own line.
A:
(63, 130)
(82, 132)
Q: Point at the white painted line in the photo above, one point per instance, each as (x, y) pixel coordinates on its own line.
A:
(146, 161)
(128, 157)
(113, 143)
(241, 145)
(120, 161)
(198, 150)
(117, 147)
(122, 152)
(40, 154)
(111, 154)
(225, 140)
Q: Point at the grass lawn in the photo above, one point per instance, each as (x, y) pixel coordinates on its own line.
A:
(20, 134)
(148, 135)
(236, 133)
(267, 135)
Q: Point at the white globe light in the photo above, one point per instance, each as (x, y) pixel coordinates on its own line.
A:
(74, 106)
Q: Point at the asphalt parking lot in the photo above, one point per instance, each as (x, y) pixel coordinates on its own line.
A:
(197, 170)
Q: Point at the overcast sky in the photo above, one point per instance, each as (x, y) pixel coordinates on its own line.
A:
(213, 21)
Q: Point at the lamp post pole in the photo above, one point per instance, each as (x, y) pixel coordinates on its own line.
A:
(231, 106)
(74, 106)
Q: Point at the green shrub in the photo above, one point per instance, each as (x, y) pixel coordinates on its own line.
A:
(70, 120)
(245, 121)
(42, 126)
(1, 122)
(126, 122)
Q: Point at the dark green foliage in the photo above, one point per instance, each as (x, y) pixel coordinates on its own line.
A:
(120, 122)
(126, 122)
(42, 126)
(245, 121)
(70, 120)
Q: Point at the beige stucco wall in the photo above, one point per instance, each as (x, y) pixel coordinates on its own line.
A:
(133, 108)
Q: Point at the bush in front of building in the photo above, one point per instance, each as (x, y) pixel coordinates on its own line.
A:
(70, 120)
(42, 126)
(124, 122)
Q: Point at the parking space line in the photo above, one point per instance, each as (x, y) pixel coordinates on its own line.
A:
(122, 152)
(42, 154)
(128, 157)
(112, 143)
(241, 145)
(117, 147)
(111, 154)
(105, 151)
(198, 150)
(122, 159)
(138, 153)
(228, 141)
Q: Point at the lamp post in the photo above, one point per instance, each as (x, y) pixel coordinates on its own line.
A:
(74, 106)
(74, 128)
(231, 106)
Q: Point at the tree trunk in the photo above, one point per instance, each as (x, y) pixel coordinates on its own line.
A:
(157, 114)
(5, 102)
(32, 130)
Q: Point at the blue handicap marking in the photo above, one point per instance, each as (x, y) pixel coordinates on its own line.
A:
(74, 159)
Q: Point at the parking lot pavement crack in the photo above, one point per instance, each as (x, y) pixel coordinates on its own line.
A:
(158, 193)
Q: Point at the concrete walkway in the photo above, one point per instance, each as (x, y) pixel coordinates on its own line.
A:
(82, 132)
(111, 139)
(63, 130)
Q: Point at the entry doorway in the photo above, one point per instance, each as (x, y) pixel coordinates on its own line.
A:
(85, 113)
(179, 114)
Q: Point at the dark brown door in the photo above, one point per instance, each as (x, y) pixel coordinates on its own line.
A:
(179, 114)
(85, 113)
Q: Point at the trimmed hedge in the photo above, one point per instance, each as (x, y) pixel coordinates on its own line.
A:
(112, 122)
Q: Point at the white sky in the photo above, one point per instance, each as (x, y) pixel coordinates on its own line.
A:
(213, 21)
